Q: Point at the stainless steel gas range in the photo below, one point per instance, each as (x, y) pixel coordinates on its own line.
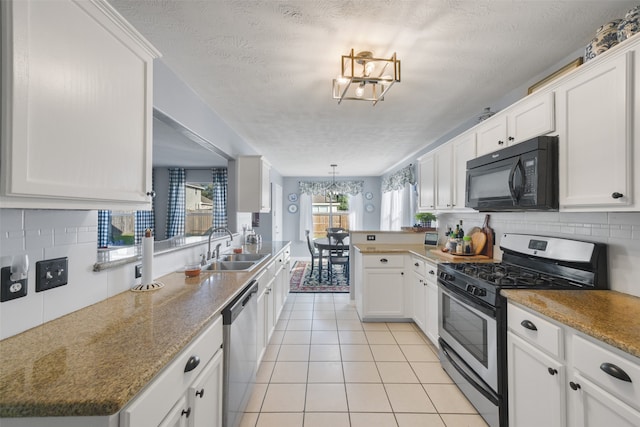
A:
(472, 323)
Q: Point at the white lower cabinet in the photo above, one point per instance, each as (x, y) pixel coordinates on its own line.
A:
(557, 376)
(431, 326)
(191, 386)
(536, 386)
(419, 296)
(384, 294)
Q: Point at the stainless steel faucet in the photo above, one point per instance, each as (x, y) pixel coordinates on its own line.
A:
(210, 232)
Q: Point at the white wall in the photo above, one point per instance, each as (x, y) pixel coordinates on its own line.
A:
(620, 231)
(46, 234)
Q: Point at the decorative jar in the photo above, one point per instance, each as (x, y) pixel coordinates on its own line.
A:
(606, 37)
(629, 25)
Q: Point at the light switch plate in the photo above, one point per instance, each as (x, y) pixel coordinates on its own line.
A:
(51, 273)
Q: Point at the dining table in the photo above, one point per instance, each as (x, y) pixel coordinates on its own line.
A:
(326, 244)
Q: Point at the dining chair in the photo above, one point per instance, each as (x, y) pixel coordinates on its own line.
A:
(312, 250)
(338, 256)
(336, 230)
(338, 236)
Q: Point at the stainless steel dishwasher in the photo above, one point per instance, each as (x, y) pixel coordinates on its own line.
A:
(239, 320)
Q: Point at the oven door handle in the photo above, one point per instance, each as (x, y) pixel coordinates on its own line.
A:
(516, 192)
(468, 374)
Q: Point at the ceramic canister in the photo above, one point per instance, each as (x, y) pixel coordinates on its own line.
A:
(629, 25)
(606, 37)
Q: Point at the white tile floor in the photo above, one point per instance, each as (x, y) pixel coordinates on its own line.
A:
(323, 367)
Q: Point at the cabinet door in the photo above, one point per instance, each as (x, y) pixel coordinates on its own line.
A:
(270, 306)
(179, 415)
(595, 136)
(384, 293)
(432, 311)
(427, 199)
(265, 182)
(464, 149)
(205, 395)
(536, 386)
(531, 117)
(594, 407)
(419, 301)
(79, 134)
(444, 187)
(492, 134)
(261, 325)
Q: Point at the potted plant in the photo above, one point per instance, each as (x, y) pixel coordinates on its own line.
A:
(425, 218)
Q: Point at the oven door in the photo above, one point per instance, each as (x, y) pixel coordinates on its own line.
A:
(471, 331)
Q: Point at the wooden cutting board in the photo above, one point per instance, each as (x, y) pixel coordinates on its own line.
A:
(488, 231)
(453, 257)
(478, 240)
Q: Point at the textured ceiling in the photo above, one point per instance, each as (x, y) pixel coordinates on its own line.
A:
(265, 66)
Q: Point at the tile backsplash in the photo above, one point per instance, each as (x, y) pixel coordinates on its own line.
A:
(46, 234)
(619, 230)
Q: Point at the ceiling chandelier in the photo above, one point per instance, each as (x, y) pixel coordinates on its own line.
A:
(365, 78)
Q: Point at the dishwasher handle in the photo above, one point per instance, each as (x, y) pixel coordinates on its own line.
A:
(235, 307)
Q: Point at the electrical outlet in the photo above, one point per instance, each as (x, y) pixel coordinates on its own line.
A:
(51, 273)
(138, 271)
(10, 289)
(371, 237)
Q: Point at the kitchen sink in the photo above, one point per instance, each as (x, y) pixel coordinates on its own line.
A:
(231, 266)
(243, 257)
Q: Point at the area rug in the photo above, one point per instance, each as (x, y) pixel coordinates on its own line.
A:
(302, 280)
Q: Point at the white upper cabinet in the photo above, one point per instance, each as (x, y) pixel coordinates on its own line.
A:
(426, 182)
(526, 119)
(254, 190)
(76, 107)
(464, 149)
(596, 139)
(444, 173)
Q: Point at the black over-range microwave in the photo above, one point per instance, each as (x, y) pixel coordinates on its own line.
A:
(520, 177)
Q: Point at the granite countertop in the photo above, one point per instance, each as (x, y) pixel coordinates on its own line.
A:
(424, 251)
(93, 361)
(609, 316)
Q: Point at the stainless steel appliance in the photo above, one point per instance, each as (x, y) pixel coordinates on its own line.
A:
(472, 322)
(520, 177)
(239, 320)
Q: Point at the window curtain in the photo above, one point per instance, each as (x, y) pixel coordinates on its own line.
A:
(398, 199)
(306, 216)
(176, 205)
(144, 220)
(220, 185)
(104, 228)
(356, 216)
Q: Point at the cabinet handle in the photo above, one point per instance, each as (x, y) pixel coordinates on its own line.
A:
(151, 194)
(431, 272)
(416, 264)
(192, 363)
(200, 393)
(552, 371)
(384, 260)
(186, 412)
(500, 142)
(511, 138)
(615, 371)
(617, 195)
(574, 386)
(529, 325)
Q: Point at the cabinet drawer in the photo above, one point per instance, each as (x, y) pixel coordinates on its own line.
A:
(419, 266)
(172, 381)
(383, 261)
(431, 270)
(592, 360)
(536, 330)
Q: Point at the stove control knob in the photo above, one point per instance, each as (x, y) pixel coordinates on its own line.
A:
(446, 276)
(471, 289)
(480, 292)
